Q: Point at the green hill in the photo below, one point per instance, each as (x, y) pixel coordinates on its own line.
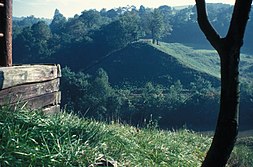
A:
(142, 62)
(206, 61)
(203, 61)
(30, 138)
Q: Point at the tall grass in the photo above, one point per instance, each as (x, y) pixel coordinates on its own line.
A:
(34, 139)
(30, 138)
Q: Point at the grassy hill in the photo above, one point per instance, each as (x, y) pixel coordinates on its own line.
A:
(30, 138)
(143, 61)
(205, 60)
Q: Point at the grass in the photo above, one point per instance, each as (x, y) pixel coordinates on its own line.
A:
(243, 153)
(30, 138)
(203, 60)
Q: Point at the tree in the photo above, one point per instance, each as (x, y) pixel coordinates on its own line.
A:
(228, 49)
(145, 20)
(58, 22)
(157, 26)
(93, 19)
(130, 22)
(41, 31)
(76, 30)
(167, 14)
(32, 44)
(119, 33)
(23, 45)
(41, 34)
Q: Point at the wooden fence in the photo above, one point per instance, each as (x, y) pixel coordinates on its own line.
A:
(31, 86)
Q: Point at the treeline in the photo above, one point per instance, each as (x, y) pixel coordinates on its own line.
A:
(173, 106)
(80, 41)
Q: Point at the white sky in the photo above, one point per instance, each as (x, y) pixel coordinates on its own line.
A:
(45, 8)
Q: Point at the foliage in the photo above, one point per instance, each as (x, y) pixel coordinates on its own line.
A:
(33, 43)
(109, 31)
(244, 158)
(93, 96)
(87, 95)
(58, 23)
(157, 26)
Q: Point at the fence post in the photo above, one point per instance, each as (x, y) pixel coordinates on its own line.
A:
(6, 33)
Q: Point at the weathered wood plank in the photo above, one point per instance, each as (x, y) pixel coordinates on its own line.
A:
(28, 91)
(39, 102)
(18, 75)
(52, 109)
(42, 101)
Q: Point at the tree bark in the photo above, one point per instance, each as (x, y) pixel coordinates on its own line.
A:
(6, 31)
(153, 40)
(228, 49)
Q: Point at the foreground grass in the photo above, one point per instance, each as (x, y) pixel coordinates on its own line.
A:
(34, 139)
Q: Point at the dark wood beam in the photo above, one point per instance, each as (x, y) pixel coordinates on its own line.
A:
(6, 33)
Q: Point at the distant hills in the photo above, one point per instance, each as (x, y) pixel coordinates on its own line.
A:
(142, 62)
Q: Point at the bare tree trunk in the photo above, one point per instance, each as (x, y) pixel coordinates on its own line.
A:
(153, 40)
(229, 52)
(227, 124)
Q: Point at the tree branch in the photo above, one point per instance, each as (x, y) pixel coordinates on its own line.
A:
(239, 20)
(204, 24)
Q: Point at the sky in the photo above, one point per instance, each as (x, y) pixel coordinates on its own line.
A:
(46, 8)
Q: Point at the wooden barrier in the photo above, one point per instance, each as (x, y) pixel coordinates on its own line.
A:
(31, 86)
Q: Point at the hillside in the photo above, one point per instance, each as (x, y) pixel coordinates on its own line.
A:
(205, 61)
(142, 62)
(30, 138)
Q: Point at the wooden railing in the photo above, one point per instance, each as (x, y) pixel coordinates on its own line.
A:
(31, 86)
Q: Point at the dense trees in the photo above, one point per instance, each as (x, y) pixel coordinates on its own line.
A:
(228, 49)
(93, 96)
(108, 31)
(58, 23)
(32, 44)
(36, 40)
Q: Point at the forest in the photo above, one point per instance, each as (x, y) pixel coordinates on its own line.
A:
(157, 79)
